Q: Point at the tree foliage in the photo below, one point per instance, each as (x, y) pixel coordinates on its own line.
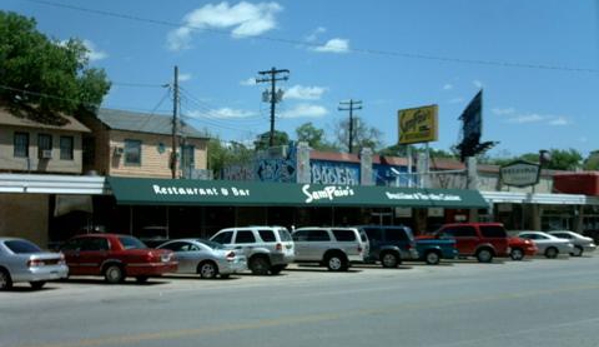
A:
(592, 161)
(262, 141)
(315, 137)
(560, 159)
(45, 73)
(364, 135)
(222, 154)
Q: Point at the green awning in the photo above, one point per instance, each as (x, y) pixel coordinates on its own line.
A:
(142, 191)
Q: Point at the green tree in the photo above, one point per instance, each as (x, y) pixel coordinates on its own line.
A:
(43, 76)
(315, 137)
(592, 161)
(222, 154)
(569, 159)
(280, 138)
(364, 135)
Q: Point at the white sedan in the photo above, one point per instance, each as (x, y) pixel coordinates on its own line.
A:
(548, 245)
(581, 243)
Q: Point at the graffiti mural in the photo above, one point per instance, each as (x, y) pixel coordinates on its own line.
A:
(239, 173)
(324, 172)
(277, 168)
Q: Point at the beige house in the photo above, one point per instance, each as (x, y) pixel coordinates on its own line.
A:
(29, 146)
(133, 144)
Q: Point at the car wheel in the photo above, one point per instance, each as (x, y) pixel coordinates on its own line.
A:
(551, 253)
(5, 280)
(389, 260)
(517, 254)
(141, 279)
(276, 269)
(336, 262)
(432, 258)
(207, 270)
(259, 266)
(114, 274)
(578, 251)
(484, 256)
(37, 284)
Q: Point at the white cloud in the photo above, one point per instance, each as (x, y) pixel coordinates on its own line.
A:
(249, 82)
(305, 110)
(304, 93)
(448, 86)
(477, 84)
(583, 139)
(559, 121)
(314, 35)
(243, 19)
(503, 111)
(456, 100)
(94, 54)
(184, 77)
(335, 45)
(527, 118)
(224, 112)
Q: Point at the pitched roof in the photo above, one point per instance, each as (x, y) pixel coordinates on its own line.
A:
(8, 118)
(145, 123)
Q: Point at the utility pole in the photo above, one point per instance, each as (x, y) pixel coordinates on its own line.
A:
(274, 96)
(351, 105)
(175, 121)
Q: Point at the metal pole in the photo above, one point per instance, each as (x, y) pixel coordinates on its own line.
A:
(174, 128)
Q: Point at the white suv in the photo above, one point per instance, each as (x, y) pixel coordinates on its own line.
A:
(335, 248)
(267, 248)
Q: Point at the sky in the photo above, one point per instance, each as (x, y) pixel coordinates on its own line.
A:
(537, 62)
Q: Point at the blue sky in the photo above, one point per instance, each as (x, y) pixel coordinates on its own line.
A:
(389, 54)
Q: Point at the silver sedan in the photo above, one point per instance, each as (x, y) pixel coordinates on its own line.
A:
(205, 258)
(581, 243)
(24, 261)
(548, 245)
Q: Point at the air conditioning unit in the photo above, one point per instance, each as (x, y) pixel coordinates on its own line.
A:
(118, 151)
(46, 154)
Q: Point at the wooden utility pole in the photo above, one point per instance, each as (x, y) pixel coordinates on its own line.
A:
(175, 122)
(274, 96)
(351, 106)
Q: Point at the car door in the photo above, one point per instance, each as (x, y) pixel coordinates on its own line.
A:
(319, 241)
(181, 249)
(92, 254)
(300, 239)
(71, 251)
(375, 239)
(245, 241)
(465, 236)
(347, 240)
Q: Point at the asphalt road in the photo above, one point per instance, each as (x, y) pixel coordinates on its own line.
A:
(531, 303)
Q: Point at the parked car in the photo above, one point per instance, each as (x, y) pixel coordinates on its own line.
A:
(481, 240)
(24, 261)
(335, 248)
(205, 258)
(433, 250)
(581, 243)
(389, 244)
(548, 245)
(116, 257)
(520, 248)
(267, 248)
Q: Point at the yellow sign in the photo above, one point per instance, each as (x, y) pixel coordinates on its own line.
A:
(418, 124)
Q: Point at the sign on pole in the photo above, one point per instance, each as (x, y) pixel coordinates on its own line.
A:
(520, 174)
(419, 124)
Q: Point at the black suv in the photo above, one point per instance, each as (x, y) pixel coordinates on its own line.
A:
(389, 244)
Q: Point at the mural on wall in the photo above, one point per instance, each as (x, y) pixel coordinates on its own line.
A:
(279, 167)
(325, 172)
(239, 173)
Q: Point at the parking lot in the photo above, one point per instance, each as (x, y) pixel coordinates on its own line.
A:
(535, 302)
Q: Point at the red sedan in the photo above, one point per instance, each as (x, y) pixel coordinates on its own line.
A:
(519, 248)
(116, 257)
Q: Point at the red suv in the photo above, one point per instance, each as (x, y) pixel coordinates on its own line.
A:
(482, 240)
(116, 257)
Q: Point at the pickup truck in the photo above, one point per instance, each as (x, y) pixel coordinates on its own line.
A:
(481, 240)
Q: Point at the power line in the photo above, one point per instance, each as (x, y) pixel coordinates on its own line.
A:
(406, 55)
(274, 97)
(350, 106)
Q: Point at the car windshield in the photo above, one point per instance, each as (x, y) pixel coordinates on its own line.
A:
(131, 243)
(211, 244)
(22, 246)
(285, 235)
